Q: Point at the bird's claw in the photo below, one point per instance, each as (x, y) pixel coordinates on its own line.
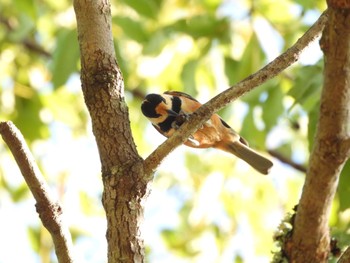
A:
(180, 119)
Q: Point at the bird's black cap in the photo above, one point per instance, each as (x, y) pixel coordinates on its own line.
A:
(148, 106)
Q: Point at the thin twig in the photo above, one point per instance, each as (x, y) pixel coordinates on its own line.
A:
(203, 113)
(285, 160)
(33, 46)
(49, 210)
(345, 257)
(28, 43)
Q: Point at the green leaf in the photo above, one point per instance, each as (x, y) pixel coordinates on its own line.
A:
(307, 87)
(26, 7)
(231, 68)
(255, 97)
(306, 4)
(34, 237)
(202, 26)
(61, 103)
(25, 28)
(273, 107)
(188, 75)
(89, 206)
(19, 193)
(27, 117)
(147, 8)
(65, 57)
(344, 188)
(132, 28)
(252, 59)
(251, 133)
(156, 43)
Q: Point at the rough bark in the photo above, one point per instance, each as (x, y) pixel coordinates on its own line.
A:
(311, 239)
(122, 167)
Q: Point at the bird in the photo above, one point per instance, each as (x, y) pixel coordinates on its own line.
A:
(168, 111)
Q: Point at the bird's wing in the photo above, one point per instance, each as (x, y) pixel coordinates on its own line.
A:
(180, 94)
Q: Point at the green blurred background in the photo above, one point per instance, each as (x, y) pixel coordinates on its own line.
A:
(205, 205)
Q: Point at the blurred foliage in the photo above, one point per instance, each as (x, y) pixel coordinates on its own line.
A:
(206, 206)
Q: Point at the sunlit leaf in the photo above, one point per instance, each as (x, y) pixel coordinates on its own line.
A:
(147, 8)
(250, 131)
(156, 42)
(26, 7)
(252, 59)
(89, 205)
(188, 76)
(310, 4)
(65, 57)
(25, 28)
(20, 193)
(307, 87)
(27, 118)
(231, 69)
(34, 237)
(17, 193)
(272, 107)
(132, 28)
(61, 103)
(202, 26)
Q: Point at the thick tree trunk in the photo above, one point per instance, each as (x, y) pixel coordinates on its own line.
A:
(311, 239)
(122, 168)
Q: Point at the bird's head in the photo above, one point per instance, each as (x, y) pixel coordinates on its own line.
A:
(155, 106)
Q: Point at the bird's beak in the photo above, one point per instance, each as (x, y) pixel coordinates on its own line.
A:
(172, 113)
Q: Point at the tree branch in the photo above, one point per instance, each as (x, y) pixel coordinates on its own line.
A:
(345, 257)
(203, 113)
(285, 160)
(125, 185)
(28, 43)
(311, 240)
(49, 210)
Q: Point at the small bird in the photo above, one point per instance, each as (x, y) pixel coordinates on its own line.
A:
(169, 110)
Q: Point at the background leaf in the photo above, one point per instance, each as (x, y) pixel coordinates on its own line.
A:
(65, 57)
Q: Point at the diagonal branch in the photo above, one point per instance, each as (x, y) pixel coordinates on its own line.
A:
(345, 257)
(203, 113)
(49, 210)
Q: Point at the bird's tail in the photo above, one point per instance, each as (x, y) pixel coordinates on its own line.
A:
(258, 162)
